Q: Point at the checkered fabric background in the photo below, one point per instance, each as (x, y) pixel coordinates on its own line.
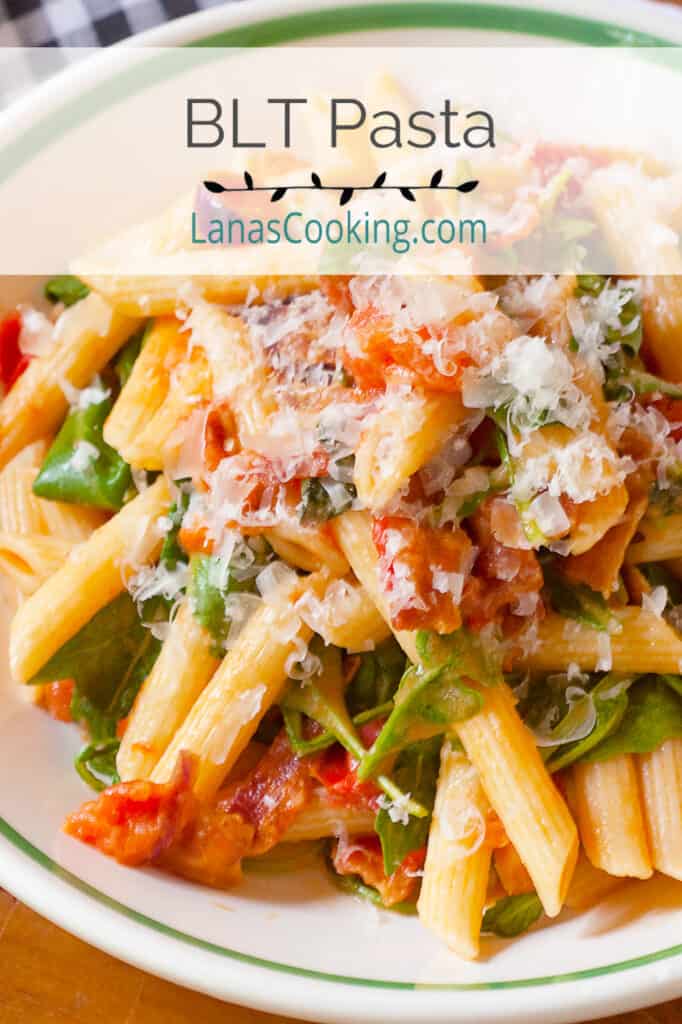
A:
(86, 22)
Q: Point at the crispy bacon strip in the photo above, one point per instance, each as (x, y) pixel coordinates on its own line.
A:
(143, 822)
(361, 855)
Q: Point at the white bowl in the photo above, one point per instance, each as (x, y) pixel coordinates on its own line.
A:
(292, 944)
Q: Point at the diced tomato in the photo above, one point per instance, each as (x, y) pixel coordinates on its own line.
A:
(220, 436)
(336, 769)
(415, 562)
(384, 350)
(12, 360)
(550, 157)
(121, 727)
(57, 699)
(134, 822)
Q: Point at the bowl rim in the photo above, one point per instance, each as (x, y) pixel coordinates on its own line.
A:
(56, 892)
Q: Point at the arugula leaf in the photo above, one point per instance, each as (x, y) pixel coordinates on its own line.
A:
(293, 723)
(416, 773)
(575, 600)
(433, 696)
(322, 699)
(378, 677)
(653, 715)
(96, 764)
(610, 701)
(100, 478)
(622, 383)
(66, 288)
(171, 552)
(589, 284)
(108, 658)
(211, 581)
(323, 499)
(512, 915)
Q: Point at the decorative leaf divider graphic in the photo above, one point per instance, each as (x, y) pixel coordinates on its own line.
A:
(346, 192)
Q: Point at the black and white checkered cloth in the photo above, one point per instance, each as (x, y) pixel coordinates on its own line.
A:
(86, 22)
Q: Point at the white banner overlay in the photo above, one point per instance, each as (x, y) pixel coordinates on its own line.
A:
(307, 160)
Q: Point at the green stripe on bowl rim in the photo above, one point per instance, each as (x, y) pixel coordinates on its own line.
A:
(278, 32)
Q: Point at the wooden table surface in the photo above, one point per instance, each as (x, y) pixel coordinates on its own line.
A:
(49, 977)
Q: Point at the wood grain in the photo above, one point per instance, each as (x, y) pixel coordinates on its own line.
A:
(49, 977)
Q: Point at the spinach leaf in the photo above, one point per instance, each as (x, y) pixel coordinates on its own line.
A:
(323, 498)
(653, 715)
(610, 700)
(378, 677)
(96, 764)
(433, 696)
(416, 773)
(66, 288)
(575, 600)
(211, 582)
(108, 658)
(321, 698)
(512, 915)
(81, 467)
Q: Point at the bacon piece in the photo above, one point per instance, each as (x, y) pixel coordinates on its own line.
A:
(384, 350)
(361, 855)
(134, 822)
(501, 576)
(56, 699)
(415, 563)
(272, 795)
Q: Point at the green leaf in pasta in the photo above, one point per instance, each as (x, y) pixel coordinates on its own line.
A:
(433, 696)
(609, 700)
(211, 582)
(512, 915)
(323, 499)
(575, 600)
(108, 659)
(321, 698)
(80, 467)
(354, 886)
(125, 360)
(377, 678)
(96, 764)
(416, 773)
(66, 288)
(171, 551)
(653, 715)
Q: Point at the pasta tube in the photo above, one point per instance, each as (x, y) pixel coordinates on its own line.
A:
(503, 750)
(87, 335)
(180, 673)
(645, 643)
(660, 775)
(322, 818)
(453, 893)
(249, 679)
(610, 816)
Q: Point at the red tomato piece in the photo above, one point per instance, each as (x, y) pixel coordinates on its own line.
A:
(12, 360)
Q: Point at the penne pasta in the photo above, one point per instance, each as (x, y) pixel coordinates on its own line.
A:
(590, 885)
(181, 672)
(307, 547)
(91, 577)
(323, 818)
(455, 883)
(658, 538)
(610, 817)
(644, 643)
(660, 776)
(250, 678)
(147, 386)
(502, 749)
(399, 441)
(87, 335)
(30, 559)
